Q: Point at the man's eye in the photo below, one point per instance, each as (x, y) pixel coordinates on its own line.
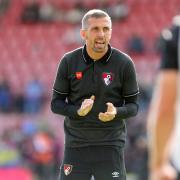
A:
(95, 29)
(106, 29)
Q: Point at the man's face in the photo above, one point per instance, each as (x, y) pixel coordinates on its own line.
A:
(98, 34)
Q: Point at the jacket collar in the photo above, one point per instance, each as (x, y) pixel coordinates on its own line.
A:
(89, 60)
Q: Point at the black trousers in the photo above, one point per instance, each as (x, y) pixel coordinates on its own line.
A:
(102, 162)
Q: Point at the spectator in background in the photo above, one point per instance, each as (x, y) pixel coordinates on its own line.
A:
(33, 96)
(9, 153)
(164, 115)
(30, 12)
(4, 4)
(135, 44)
(49, 12)
(5, 96)
(40, 151)
(75, 14)
(18, 101)
(118, 10)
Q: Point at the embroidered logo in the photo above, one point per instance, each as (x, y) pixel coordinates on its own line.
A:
(108, 78)
(67, 169)
(115, 174)
(79, 75)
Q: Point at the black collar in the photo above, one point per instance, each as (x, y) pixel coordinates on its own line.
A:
(89, 60)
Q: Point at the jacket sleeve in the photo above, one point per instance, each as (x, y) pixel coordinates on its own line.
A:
(130, 92)
(129, 109)
(59, 103)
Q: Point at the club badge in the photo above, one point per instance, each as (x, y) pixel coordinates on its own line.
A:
(107, 77)
(67, 169)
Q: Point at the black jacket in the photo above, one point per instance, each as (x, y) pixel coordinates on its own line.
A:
(110, 79)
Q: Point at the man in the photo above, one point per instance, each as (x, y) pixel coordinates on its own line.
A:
(95, 89)
(164, 117)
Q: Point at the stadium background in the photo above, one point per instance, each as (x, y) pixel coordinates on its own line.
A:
(31, 137)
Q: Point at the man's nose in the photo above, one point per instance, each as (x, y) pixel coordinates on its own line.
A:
(101, 33)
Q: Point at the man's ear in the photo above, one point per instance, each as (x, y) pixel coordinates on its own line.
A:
(83, 34)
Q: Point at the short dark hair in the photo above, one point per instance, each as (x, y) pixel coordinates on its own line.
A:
(96, 13)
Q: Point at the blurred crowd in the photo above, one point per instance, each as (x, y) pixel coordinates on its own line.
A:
(4, 4)
(30, 100)
(31, 144)
(48, 11)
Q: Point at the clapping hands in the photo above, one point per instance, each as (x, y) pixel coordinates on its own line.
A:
(87, 105)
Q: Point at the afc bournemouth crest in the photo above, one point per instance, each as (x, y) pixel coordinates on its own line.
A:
(107, 77)
(67, 169)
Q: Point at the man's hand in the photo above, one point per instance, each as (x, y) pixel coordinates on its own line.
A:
(109, 114)
(86, 106)
(165, 172)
